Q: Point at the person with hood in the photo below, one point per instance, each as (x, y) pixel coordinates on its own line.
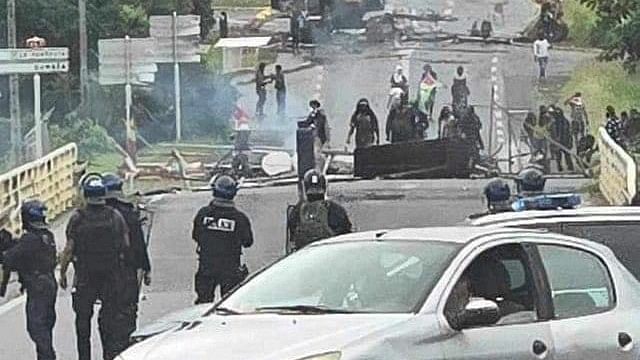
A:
(446, 123)
(365, 124)
(459, 92)
(470, 127)
(400, 81)
(401, 123)
(561, 134)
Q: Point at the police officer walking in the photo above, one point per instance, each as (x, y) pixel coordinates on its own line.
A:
(221, 231)
(137, 265)
(97, 243)
(316, 218)
(34, 258)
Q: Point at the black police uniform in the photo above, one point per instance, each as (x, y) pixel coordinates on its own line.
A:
(337, 221)
(34, 258)
(99, 239)
(137, 258)
(221, 231)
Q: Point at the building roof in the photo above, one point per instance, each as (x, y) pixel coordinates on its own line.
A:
(240, 42)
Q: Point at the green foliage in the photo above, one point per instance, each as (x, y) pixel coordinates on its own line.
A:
(604, 84)
(618, 30)
(582, 22)
(91, 138)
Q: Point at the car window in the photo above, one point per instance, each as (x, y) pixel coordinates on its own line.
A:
(500, 275)
(579, 281)
(366, 276)
(620, 237)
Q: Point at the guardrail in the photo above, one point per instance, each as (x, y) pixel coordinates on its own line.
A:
(50, 179)
(618, 171)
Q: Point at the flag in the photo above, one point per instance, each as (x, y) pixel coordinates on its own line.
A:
(426, 92)
(241, 118)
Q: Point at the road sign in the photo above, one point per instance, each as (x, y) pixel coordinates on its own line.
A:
(162, 26)
(34, 54)
(34, 67)
(116, 57)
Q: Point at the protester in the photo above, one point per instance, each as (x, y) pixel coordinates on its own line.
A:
(459, 92)
(579, 122)
(400, 81)
(365, 124)
(613, 125)
(541, 54)
(563, 142)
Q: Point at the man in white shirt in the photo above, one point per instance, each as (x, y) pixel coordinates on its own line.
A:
(541, 54)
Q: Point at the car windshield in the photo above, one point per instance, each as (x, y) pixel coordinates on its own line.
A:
(363, 276)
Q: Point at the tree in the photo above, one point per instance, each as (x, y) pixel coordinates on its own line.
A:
(619, 29)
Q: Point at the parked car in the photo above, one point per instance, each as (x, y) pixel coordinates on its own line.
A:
(431, 293)
(617, 227)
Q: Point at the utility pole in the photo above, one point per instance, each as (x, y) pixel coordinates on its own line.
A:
(84, 69)
(14, 91)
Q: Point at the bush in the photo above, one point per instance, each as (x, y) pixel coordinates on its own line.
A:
(582, 22)
(91, 138)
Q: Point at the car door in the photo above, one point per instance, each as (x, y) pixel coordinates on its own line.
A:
(524, 336)
(585, 322)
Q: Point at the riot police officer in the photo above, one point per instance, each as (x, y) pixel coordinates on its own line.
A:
(498, 194)
(221, 231)
(530, 181)
(137, 265)
(97, 242)
(34, 258)
(316, 218)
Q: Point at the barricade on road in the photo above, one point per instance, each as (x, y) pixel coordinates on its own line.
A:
(50, 179)
(617, 171)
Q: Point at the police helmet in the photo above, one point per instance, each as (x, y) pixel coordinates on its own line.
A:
(531, 179)
(113, 185)
(34, 214)
(224, 187)
(314, 183)
(497, 190)
(93, 189)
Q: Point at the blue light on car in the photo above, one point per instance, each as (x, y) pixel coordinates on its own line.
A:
(547, 202)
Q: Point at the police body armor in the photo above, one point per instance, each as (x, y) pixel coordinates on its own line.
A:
(96, 249)
(314, 223)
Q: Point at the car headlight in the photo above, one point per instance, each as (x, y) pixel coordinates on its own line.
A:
(335, 355)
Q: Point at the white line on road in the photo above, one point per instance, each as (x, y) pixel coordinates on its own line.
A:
(494, 70)
(12, 304)
(494, 60)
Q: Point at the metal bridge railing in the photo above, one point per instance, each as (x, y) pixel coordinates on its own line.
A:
(50, 179)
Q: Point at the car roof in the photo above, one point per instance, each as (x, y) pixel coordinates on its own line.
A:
(452, 234)
(582, 212)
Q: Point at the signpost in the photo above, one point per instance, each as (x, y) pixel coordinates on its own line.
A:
(35, 61)
(178, 42)
(127, 62)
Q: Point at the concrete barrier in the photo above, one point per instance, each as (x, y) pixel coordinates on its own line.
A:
(50, 179)
(617, 171)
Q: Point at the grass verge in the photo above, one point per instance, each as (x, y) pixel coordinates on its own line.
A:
(602, 84)
(108, 162)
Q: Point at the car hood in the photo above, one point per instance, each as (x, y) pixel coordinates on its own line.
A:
(262, 336)
(172, 320)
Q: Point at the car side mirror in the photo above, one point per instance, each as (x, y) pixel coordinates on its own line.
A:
(480, 312)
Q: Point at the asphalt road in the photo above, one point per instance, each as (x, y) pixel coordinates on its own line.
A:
(372, 205)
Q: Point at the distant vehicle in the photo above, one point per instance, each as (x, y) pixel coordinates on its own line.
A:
(432, 293)
(617, 227)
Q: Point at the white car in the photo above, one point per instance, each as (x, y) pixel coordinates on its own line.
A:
(416, 294)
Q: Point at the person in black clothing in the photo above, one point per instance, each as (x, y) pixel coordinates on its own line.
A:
(137, 265)
(459, 93)
(221, 231)
(281, 91)
(261, 89)
(401, 124)
(97, 243)
(316, 218)
(34, 258)
(365, 124)
(561, 133)
(613, 126)
(224, 25)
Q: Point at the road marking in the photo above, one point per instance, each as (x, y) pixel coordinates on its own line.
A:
(494, 69)
(494, 78)
(494, 60)
(12, 304)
